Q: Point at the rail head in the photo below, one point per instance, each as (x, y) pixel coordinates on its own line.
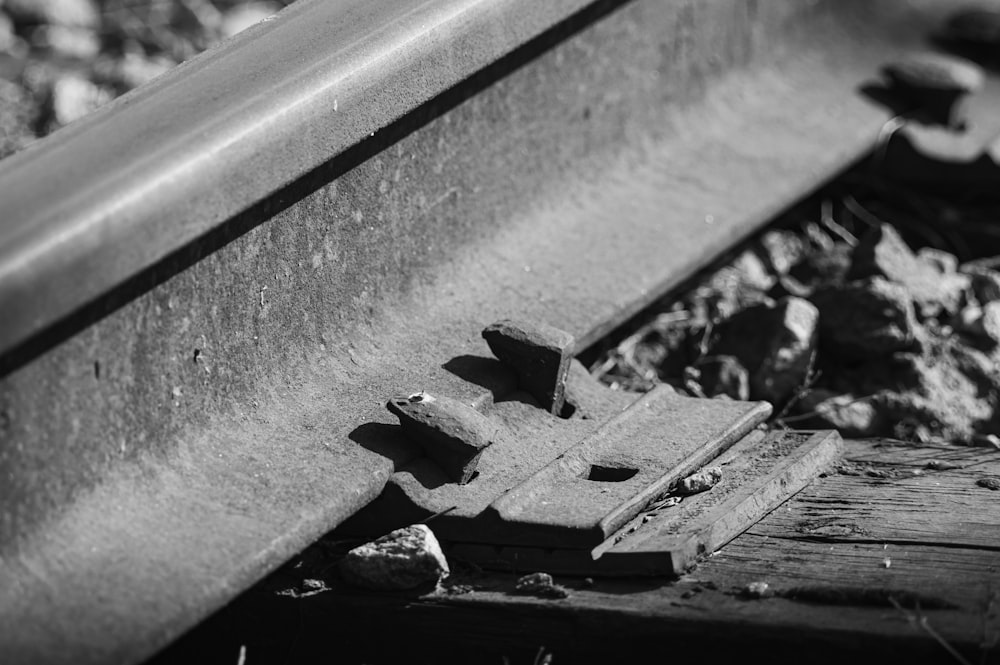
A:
(96, 203)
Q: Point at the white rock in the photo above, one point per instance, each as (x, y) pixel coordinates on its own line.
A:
(985, 282)
(17, 114)
(841, 411)
(74, 97)
(701, 481)
(7, 35)
(982, 321)
(540, 584)
(752, 271)
(70, 41)
(775, 343)
(403, 559)
(241, 17)
(82, 13)
(969, 317)
(944, 261)
(38, 78)
(990, 322)
(136, 69)
(782, 249)
(757, 590)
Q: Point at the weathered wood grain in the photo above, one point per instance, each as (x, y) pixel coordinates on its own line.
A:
(830, 596)
(754, 482)
(897, 499)
(964, 578)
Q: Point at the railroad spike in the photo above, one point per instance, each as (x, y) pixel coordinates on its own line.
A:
(538, 353)
(451, 433)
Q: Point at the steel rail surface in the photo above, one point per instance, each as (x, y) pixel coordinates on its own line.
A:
(193, 431)
(140, 178)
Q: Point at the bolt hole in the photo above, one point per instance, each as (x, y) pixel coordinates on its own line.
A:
(97, 370)
(197, 355)
(610, 474)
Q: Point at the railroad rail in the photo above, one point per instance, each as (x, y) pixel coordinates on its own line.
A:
(211, 285)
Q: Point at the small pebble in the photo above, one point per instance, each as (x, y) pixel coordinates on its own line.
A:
(82, 13)
(68, 41)
(403, 559)
(969, 317)
(700, 481)
(308, 587)
(541, 585)
(989, 324)
(136, 69)
(756, 590)
(985, 282)
(990, 483)
(7, 34)
(941, 465)
(945, 262)
(458, 589)
(74, 97)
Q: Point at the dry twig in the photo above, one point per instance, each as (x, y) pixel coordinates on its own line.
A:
(919, 620)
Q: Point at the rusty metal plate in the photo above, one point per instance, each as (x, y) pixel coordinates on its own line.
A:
(590, 491)
(758, 474)
(544, 480)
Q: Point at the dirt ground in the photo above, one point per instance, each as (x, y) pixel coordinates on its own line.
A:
(869, 308)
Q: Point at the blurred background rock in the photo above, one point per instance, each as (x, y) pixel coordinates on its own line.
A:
(61, 59)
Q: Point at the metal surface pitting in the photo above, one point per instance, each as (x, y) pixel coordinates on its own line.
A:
(577, 501)
(546, 481)
(168, 445)
(574, 494)
(271, 104)
(759, 473)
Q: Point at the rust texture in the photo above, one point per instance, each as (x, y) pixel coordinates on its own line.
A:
(450, 433)
(538, 353)
(554, 482)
